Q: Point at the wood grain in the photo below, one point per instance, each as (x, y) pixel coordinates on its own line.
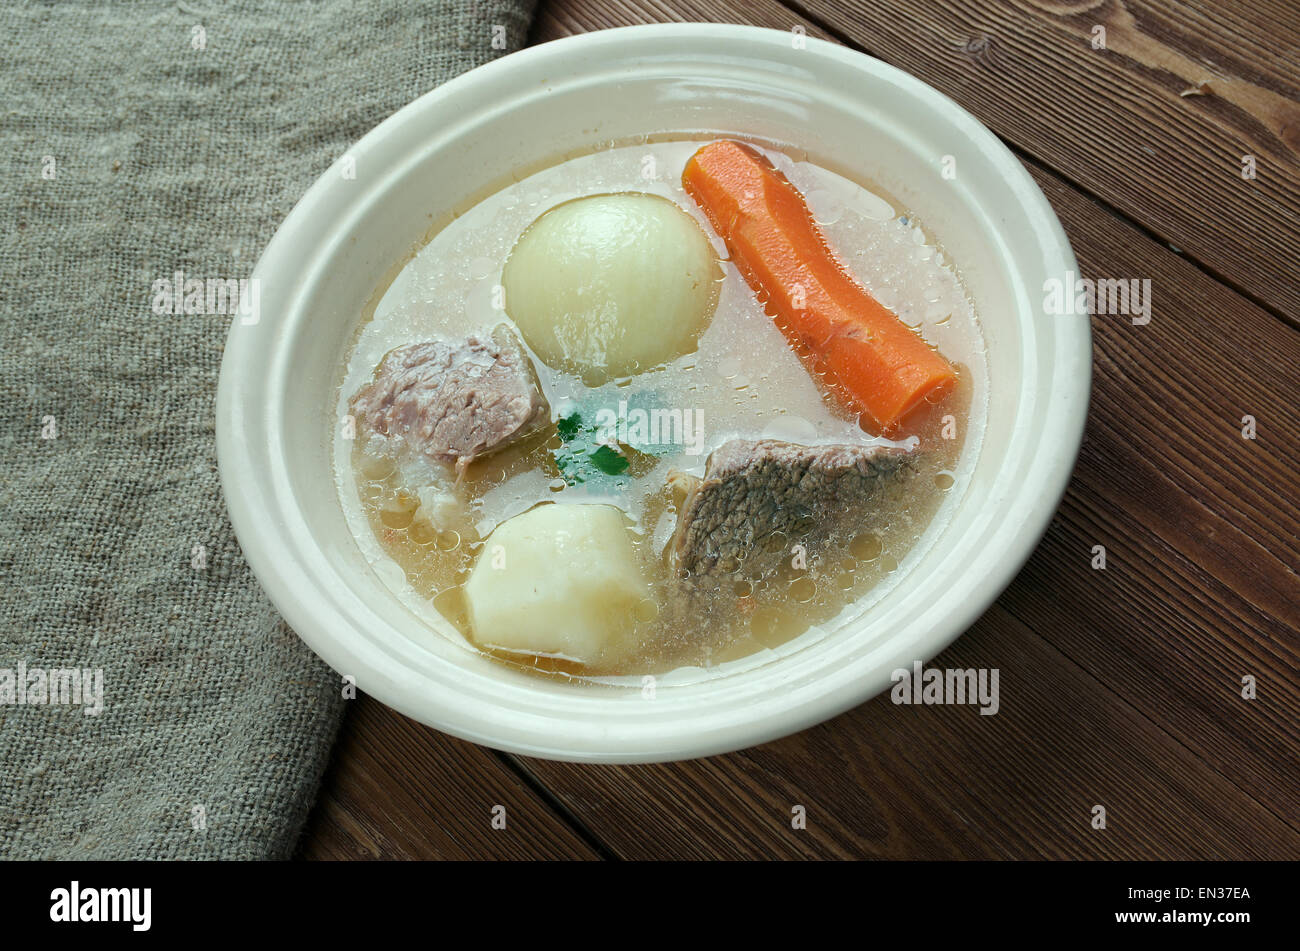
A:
(1199, 524)
(554, 20)
(399, 790)
(1156, 124)
(890, 781)
(1119, 687)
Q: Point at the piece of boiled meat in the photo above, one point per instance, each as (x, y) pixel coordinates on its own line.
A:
(455, 400)
(759, 498)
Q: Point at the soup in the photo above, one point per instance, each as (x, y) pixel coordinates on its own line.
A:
(732, 497)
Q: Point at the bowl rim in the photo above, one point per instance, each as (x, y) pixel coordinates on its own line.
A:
(252, 511)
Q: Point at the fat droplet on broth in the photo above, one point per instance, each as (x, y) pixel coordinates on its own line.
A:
(646, 611)
(866, 547)
(729, 367)
(803, 589)
(482, 268)
(422, 533)
(376, 468)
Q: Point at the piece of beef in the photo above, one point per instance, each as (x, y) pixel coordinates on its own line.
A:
(455, 401)
(760, 498)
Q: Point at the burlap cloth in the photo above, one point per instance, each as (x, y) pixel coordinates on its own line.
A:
(139, 139)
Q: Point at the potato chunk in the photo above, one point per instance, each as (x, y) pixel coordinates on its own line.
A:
(610, 285)
(558, 581)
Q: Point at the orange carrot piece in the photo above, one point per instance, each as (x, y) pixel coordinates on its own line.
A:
(859, 346)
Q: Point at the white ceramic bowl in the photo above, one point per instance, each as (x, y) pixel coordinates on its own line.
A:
(279, 378)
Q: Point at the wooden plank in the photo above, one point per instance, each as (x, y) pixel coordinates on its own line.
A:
(558, 18)
(890, 781)
(399, 790)
(1156, 124)
(1199, 523)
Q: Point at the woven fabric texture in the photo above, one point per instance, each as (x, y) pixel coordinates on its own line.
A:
(141, 139)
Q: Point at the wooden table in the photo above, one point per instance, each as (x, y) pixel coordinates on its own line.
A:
(1121, 687)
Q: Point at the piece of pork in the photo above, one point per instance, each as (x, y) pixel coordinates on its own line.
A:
(759, 498)
(455, 400)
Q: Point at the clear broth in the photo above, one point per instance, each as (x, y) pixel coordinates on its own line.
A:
(743, 378)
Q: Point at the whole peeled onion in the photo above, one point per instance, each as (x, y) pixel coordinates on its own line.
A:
(610, 285)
